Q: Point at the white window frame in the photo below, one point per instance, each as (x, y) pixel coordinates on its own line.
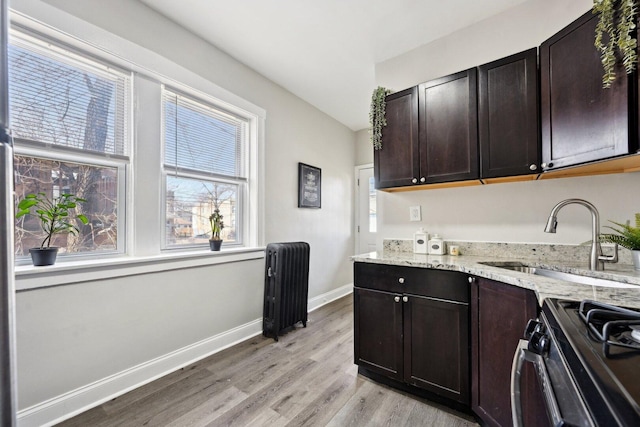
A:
(143, 241)
(244, 185)
(54, 152)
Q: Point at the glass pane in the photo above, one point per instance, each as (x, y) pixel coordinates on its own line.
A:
(190, 202)
(65, 101)
(372, 205)
(200, 138)
(97, 184)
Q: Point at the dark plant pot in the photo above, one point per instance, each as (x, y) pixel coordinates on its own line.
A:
(43, 256)
(215, 244)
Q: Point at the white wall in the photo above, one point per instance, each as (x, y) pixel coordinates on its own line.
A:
(70, 336)
(364, 149)
(514, 212)
(520, 28)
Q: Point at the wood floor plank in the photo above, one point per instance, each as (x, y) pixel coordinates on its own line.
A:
(394, 411)
(206, 412)
(244, 412)
(361, 407)
(307, 378)
(321, 410)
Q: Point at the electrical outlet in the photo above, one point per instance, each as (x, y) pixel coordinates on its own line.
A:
(415, 213)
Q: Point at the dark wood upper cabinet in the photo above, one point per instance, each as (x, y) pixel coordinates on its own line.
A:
(448, 131)
(508, 116)
(397, 162)
(581, 121)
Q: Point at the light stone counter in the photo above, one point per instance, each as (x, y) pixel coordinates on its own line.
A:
(544, 287)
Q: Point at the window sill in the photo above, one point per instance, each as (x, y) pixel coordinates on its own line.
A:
(29, 277)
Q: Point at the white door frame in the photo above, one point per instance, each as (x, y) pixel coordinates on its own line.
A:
(357, 204)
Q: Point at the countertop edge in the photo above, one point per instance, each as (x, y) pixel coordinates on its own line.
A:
(543, 287)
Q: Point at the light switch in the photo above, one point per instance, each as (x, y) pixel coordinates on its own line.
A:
(415, 213)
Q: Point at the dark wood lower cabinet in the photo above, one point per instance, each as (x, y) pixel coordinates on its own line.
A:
(427, 331)
(378, 331)
(499, 314)
(436, 346)
(412, 325)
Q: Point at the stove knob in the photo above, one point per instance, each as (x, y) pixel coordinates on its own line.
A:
(539, 343)
(532, 326)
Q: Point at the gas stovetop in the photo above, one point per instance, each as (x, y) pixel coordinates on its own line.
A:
(599, 346)
(612, 326)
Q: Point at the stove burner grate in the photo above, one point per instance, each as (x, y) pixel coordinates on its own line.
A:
(611, 325)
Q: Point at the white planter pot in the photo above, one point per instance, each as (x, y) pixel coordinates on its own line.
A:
(635, 256)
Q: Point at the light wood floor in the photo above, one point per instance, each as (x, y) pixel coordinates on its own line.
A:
(306, 379)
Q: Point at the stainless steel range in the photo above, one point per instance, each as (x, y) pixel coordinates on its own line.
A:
(587, 357)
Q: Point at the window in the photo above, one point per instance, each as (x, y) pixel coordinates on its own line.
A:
(69, 118)
(205, 168)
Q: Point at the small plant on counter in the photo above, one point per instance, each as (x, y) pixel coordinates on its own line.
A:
(216, 224)
(615, 29)
(626, 235)
(55, 214)
(216, 227)
(377, 117)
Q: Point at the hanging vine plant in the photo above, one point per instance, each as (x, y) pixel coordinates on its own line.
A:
(377, 117)
(615, 29)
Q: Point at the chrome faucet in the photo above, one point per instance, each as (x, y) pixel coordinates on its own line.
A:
(596, 259)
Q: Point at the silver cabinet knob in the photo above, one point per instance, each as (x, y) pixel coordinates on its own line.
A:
(401, 280)
(544, 165)
(405, 299)
(423, 179)
(397, 299)
(533, 167)
(472, 279)
(414, 180)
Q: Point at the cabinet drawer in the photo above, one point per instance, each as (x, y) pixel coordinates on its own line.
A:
(447, 285)
(442, 284)
(382, 277)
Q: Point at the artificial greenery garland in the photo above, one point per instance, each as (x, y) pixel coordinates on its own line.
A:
(377, 117)
(617, 34)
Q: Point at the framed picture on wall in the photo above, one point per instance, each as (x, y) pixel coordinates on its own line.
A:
(309, 186)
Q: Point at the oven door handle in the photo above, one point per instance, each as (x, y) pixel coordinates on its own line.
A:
(521, 355)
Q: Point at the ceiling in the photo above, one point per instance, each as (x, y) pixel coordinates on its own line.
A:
(325, 51)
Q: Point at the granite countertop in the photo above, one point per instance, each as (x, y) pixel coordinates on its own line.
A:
(544, 287)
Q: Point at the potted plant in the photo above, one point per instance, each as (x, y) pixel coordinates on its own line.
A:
(57, 215)
(216, 227)
(628, 237)
(377, 117)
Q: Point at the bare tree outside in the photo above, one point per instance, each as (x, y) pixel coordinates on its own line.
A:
(56, 103)
(201, 144)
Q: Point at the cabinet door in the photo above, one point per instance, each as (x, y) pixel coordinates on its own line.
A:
(508, 116)
(436, 346)
(581, 121)
(397, 162)
(449, 128)
(378, 331)
(500, 313)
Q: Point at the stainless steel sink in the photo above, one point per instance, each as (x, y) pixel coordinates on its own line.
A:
(512, 265)
(559, 275)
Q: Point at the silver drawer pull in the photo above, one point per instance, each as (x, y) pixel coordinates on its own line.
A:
(401, 280)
